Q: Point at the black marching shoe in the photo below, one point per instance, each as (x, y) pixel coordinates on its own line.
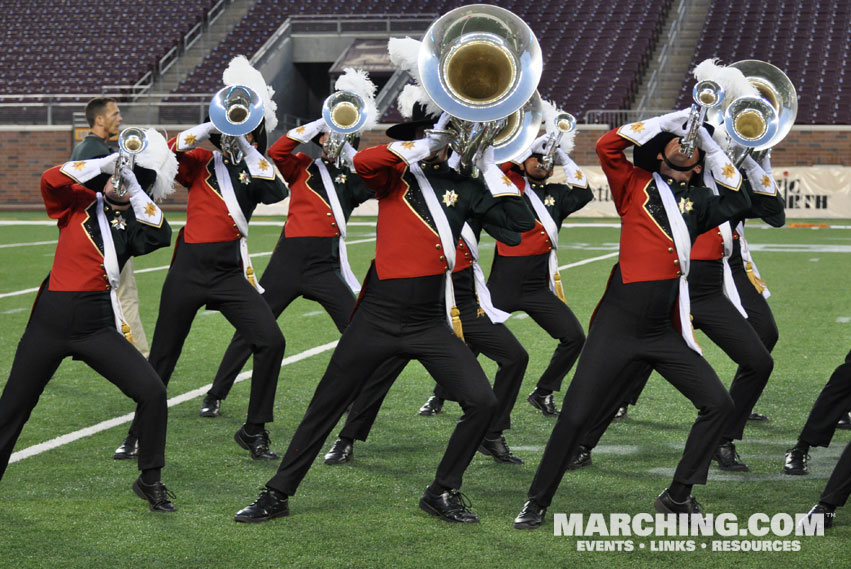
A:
(270, 504)
(667, 505)
(796, 462)
(621, 414)
(754, 416)
(844, 422)
(451, 506)
(498, 449)
(158, 496)
(257, 444)
(580, 459)
(728, 458)
(340, 452)
(128, 449)
(530, 517)
(432, 407)
(210, 407)
(544, 403)
(829, 516)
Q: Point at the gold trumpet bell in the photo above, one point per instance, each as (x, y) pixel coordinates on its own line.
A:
(345, 115)
(479, 72)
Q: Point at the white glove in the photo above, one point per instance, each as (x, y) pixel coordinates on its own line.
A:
(717, 162)
(306, 132)
(485, 159)
(706, 142)
(760, 180)
(561, 158)
(675, 122)
(194, 136)
(348, 152)
(643, 131)
(130, 181)
(540, 144)
(105, 165)
(496, 181)
(766, 163)
(437, 141)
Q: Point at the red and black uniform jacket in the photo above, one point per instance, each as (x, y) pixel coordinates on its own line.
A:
(78, 262)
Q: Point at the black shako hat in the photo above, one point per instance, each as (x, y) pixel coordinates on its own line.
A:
(646, 156)
(408, 130)
(145, 176)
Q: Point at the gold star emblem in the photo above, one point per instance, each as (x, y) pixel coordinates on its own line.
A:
(686, 205)
(728, 170)
(263, 165)
(637, 127)
(150, 210)
(340, 179)
(190, 139)
(243, 177)
(579, 175)
(300, 130)
(449, 198)
(79, 165)
(407, 145)
(766, 182)
(506, 180)
(549, 201)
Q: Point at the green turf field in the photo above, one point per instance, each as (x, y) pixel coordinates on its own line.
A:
(73, 507)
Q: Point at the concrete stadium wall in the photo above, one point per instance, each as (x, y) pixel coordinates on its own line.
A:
(27, 151)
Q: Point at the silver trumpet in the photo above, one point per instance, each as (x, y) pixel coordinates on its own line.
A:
(756, 124)
(131, 142)
(563, 123)
(707, 95)
(235, 110)
(481, 64)
(345, 114)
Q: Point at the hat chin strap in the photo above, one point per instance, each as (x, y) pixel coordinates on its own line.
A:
(673, 166)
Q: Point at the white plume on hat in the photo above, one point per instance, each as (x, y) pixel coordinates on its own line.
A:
(157, 157)
(357, 81)
(404, 54)
(550, 112)
(733, 81)
(240, 72)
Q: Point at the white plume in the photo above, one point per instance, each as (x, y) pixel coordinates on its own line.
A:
(550, 112)
(157, 157)
(240, 72)
(404, 54)
(734, 81)
(357, 81)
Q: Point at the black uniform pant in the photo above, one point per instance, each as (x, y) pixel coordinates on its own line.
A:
(396, 318)
(759, 312)
(522, 283)
(495, 341)
(633, 323)
(718, 318)
(832, 403)
(81, 325)
(299, 266)
(839, 484)
(211, 274)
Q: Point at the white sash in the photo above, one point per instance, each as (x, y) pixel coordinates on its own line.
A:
(682, 242)
(552, 232)
(235, 211)
(496, 315)
(730, 290)
(337, 210)
(749, 263)
(113, 273)
(446, 241)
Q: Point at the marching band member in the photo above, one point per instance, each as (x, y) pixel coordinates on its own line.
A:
(484, 332)
(644, 313)
(211, 265)
(310, 258)
(405, 309)
(76, 312)
(525, 276)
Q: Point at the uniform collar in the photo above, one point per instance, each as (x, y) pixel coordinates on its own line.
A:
(434, 167)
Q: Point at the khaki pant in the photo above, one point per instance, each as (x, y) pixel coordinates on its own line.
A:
(128, 295)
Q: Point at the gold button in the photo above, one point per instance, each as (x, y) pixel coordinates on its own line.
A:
(461, 244)
(234, 226)
(436, 166)
(676, 261)
(107, 287)
(670, 249)
(679, 273)
(466, 254)
(543, 233)
(102, 267)
(333, 224)
(437, 246)
(105, 277)
(442, 258)
(328, 214)
(719, 234)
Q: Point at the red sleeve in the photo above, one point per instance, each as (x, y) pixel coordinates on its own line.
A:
(60, 194)
(290, 164)
(516, 177)
(619, 171)
(189, 162)
(380, 169)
